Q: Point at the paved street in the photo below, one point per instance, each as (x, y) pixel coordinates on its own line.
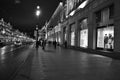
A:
(11, 58)
(66, 64)
(29, 63)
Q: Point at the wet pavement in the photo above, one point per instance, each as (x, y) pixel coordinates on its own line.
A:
(67, 64)
(11, 58)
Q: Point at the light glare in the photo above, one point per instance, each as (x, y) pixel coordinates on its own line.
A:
(38, 7)
(83, 4)
(37, 12)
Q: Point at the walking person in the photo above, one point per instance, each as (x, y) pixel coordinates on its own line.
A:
(37, 44)
(43, 44)
(65, 43)
(54, 44)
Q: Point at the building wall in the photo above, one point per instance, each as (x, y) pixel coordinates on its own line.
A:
(97, 5)
(89, 12)
(117, 25)
(94, 7)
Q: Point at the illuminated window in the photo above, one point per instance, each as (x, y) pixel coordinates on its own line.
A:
(84, 38)
(84, 33)
(72, 38)
(72, 31)
(105, 37)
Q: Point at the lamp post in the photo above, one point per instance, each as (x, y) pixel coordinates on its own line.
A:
(38, 11)
(37, 14)
(36, 31)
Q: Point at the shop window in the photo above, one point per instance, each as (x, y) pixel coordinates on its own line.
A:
(83, 33)
(84, 24)
(105, 38)
(84, 38)
(72, 31)
(59, 40)
(72, 38)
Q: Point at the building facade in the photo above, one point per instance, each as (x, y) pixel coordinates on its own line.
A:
(94, 26)
(90, 24)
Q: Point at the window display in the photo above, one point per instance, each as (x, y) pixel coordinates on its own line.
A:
(84, 38)
(65, 36)
(72, 38)
(105, 38)
(83, 33)
(72, 31)
(59, 40)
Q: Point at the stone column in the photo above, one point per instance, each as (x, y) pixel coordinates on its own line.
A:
(77, 33)
(91, 31)
(68, 34)
(62, 35)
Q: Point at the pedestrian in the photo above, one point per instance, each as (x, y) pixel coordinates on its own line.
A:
(43, 44)
(54, 44)
(65, 44)
(37, 44)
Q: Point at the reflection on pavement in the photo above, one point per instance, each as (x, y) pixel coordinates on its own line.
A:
(3, 50)
(2, 54)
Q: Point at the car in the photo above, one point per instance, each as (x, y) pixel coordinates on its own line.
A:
(18, 43)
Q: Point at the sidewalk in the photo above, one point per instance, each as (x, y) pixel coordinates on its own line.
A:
(33, 68)
(36, 65)
(111, 54)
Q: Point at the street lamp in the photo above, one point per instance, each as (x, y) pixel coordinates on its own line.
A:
(37, 14)
(38, 7)
(38, 11)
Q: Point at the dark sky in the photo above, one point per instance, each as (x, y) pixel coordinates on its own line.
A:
(21, 13)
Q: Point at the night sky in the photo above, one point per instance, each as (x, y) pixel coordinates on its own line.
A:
(21, 13)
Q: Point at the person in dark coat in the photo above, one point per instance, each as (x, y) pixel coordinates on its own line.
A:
(54, 44)
(37, 44)
(43, 44)
(65, 44)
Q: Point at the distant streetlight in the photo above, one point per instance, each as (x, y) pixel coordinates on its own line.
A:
(3, 31)
(38, 7)
(38, 11)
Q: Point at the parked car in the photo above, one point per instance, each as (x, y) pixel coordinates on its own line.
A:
(17, 43)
